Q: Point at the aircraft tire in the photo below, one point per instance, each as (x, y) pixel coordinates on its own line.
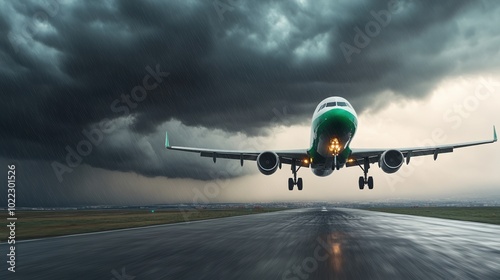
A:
(361, 182)
(370, 183)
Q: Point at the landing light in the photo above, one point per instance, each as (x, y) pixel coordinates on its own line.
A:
(334, 146)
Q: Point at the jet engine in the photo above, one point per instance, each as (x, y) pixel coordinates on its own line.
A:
(268, 162)
(391, 160)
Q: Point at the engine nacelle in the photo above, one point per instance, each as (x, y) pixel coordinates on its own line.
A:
(268, 162)
(391, 160)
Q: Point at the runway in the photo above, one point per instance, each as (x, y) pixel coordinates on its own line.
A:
(319, 243)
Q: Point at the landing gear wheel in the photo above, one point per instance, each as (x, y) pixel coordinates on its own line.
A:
(361, 182)
(370, 182)
(299, 184)
(365, 180)
(293, 181)
(290, 184)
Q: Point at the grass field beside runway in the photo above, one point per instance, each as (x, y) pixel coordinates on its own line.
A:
(37, 224)
(490, 215)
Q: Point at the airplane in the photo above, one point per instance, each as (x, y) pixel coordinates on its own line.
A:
(333, 127)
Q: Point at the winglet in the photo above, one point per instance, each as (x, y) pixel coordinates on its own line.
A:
(167, 144)
(494, 134)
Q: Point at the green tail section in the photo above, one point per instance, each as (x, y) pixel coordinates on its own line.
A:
(494, 134)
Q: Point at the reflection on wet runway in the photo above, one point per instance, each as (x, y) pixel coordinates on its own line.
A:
(335, 243)
(324, 243)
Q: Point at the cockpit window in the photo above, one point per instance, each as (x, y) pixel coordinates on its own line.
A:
(333, 104)
(321, 107)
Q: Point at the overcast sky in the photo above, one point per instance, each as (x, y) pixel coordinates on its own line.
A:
(90, 87)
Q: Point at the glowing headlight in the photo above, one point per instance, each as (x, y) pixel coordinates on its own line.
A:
(334, 146)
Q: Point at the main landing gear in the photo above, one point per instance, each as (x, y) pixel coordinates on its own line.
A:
(293, 181)
(365, 180)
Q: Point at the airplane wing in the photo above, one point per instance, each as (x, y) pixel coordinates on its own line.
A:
(286, 156)
(358, 156)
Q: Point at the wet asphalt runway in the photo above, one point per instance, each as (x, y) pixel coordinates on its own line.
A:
(295, 244)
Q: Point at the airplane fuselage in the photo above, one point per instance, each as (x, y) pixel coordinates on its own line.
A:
(333, 126)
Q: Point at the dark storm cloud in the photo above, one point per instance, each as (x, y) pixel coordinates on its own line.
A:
(230, 73)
